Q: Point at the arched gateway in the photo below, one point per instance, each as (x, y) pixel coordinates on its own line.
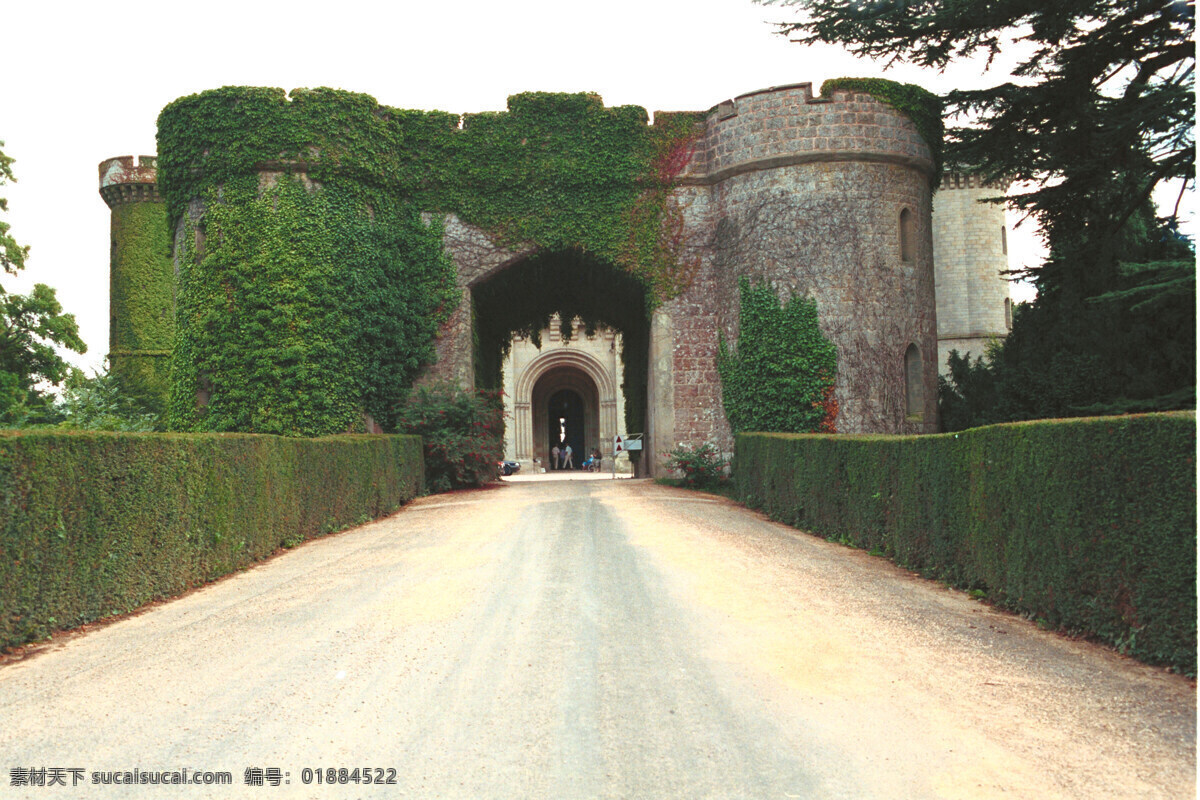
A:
(778, 185)
(563, 393)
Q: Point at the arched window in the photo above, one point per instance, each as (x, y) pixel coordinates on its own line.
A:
(914, 385)
(1008, 313)
(908, 235)
(1004, 239)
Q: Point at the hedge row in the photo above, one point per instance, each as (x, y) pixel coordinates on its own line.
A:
(94, 524)
(1085, 524)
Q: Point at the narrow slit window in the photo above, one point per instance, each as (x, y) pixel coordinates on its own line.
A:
(914, 386)
(907, 235)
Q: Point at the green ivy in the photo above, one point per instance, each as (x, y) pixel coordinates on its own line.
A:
(303, 308)
(559, 172)
(920, 105)
(781, 376)
(143, 292)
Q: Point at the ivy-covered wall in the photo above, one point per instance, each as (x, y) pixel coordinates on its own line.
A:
(780, 377)
(287, 295)
(142, 297)
(303, 308)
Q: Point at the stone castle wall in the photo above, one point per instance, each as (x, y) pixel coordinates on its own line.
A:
(806, 194)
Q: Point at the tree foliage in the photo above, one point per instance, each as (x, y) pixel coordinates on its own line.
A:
(12, 254)
(1099, 114)
(30, 327)
(780, 377)
(1130, 349)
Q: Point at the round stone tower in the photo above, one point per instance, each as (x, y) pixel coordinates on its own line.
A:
(141, 331)
(970, 251)
(828, 197)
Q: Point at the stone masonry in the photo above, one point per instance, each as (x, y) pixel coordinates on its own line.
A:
(823, 196)
(970, 251)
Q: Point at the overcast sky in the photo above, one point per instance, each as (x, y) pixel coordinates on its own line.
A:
(85, 81)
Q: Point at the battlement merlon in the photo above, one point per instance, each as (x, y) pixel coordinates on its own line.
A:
(129, 179)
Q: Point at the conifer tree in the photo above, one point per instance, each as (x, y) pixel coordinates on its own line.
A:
(1100, 112)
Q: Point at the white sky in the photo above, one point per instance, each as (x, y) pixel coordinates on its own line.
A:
(85, 81)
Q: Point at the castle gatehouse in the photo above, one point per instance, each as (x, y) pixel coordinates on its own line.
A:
(829, 197)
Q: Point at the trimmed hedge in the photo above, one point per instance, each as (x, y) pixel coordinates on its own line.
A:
(94, 524)
(1084, 524)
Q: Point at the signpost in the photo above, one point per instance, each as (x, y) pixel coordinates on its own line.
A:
(630, 441)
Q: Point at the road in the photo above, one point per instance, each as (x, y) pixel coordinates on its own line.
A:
(580, 639)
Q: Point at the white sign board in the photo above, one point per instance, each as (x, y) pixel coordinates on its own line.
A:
(630, 441)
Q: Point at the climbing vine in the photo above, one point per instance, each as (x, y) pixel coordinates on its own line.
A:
(781, 376)
(285, 284)
(143, 325)
(920, 105)
(298, 310)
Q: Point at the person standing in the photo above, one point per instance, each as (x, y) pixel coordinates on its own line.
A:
(554, 457)
(567, 462)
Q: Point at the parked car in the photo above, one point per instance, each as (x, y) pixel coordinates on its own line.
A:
(509, 467)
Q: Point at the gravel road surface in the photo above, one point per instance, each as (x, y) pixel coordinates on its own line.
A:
(581, 639)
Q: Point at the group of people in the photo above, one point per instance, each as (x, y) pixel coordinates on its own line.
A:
(564, 458)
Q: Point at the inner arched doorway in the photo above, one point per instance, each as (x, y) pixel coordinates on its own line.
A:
(564, 396)
(568, 425)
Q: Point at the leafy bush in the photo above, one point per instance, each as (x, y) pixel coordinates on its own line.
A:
(109, 401)
(781, 376)
(463, 434)
(1089, 524)
(702, 466)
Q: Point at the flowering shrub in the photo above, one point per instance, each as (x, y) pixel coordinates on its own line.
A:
(701, 467)
(463, 434)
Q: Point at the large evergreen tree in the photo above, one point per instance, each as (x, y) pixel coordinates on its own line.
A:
(1099, 115)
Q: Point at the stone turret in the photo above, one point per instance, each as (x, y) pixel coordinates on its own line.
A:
(827, 197)
(141, 330)
(970, 251)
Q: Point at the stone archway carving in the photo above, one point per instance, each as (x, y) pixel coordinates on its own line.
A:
(562, 368)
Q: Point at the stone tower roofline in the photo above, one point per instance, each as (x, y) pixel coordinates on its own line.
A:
(788, 125)
(962, 178)
(728, 108)
(129, 179)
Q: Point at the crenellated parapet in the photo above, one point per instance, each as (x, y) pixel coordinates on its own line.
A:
(954, 179)
(787, 125)
(129, 179)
